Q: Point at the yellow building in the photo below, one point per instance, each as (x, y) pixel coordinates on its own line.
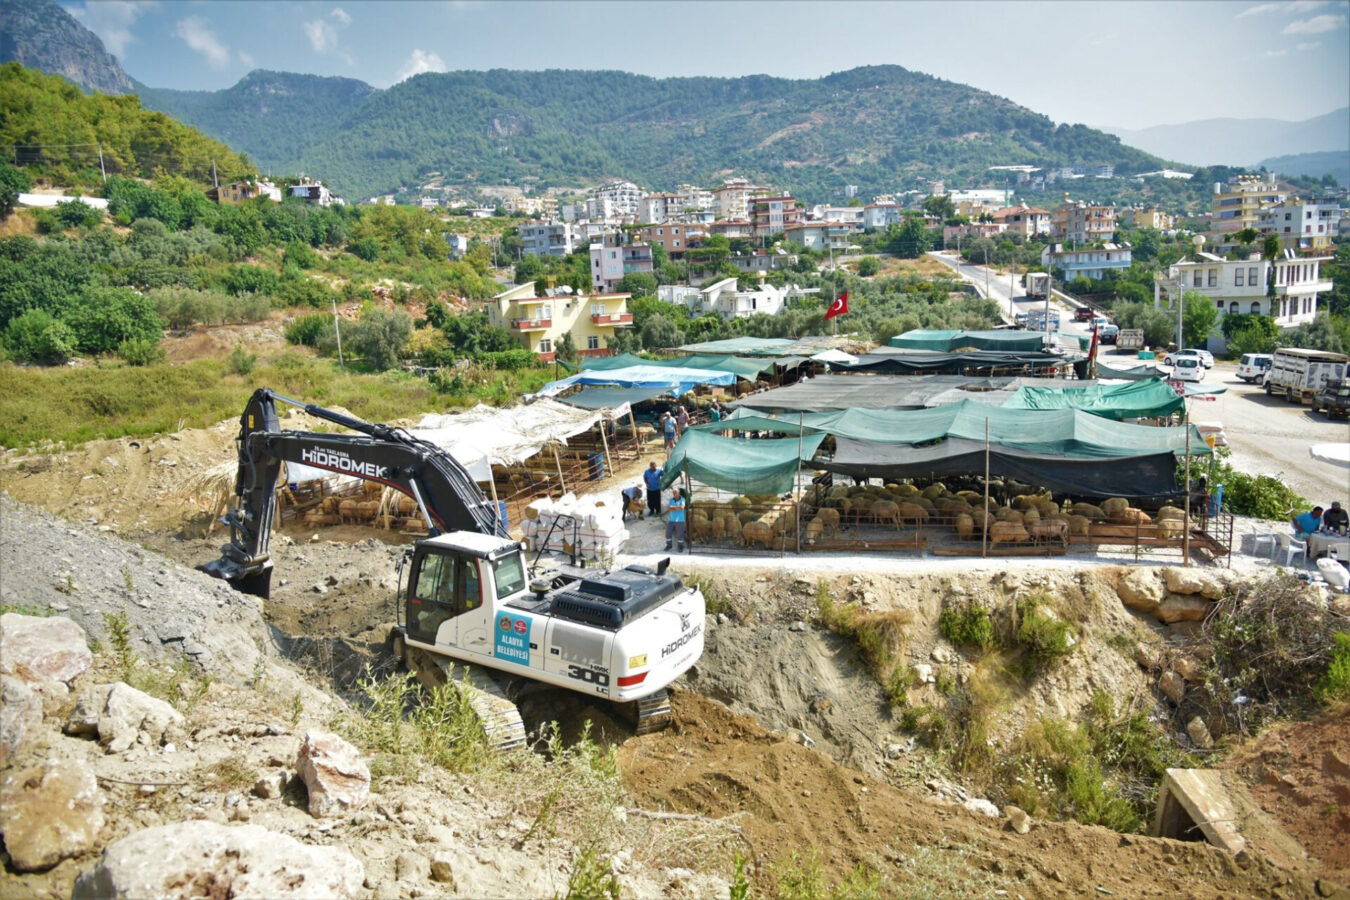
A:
(538, 323)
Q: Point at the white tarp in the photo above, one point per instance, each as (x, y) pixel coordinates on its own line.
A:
(835, 356)
(485, 436)
(1336, 454)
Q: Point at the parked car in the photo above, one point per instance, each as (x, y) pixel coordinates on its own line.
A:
(1333, 399)
(1108, 333)
(1083, 314)
(1204, 357)
(1021, 319)
(1187, 368)
(1253, 366)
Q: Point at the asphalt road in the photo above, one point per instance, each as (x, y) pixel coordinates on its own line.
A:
(999, 286)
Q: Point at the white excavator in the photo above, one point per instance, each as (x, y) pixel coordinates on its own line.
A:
(470, 598)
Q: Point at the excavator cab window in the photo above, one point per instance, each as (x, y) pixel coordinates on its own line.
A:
(445, 586)
(509, 573)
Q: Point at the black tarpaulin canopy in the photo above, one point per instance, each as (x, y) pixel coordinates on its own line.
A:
(611, 397)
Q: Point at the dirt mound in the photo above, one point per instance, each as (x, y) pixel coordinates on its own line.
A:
(1300, 774)
(791, 800)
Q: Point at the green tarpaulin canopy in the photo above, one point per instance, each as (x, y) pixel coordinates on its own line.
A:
(947, 340)
(1135, 400)
(742, 368)
(740, 466)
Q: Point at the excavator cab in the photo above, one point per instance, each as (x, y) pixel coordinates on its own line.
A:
(443, 585)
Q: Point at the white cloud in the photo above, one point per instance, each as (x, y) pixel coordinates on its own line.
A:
(1276, 53)
(112, 21)
(323, 33)
(196, 33)
(247, 59)
(1257, 10)
(1316, 25)
(1302, 6)
(420, 61)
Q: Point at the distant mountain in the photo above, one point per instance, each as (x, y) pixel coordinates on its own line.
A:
(1335, 162)
(273, 116)
(880, 128)
(1240, 142)
(41, 35)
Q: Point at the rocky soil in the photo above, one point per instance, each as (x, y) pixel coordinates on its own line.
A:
(782, 743)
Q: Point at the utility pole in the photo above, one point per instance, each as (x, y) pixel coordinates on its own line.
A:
(101, 168)
(215, 180)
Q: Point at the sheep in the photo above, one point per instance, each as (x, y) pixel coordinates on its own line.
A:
(1007, 532)
(367, 510)
(347, 511)
(886, 511)
(699, 527)
(733, 528)
(719, 528)
(829, 519)
(1114, 506)
(1131, 516)
(815, 530)
(965, 527)
(1087, 509)
(757, 532)
(1050, 529)
(1171, 529)
(1080, 525)
(1167, 513)
(912, 512)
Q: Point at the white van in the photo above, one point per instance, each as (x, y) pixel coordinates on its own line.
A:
(1253, 366)
(1187, 368)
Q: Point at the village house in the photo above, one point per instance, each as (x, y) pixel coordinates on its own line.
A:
(1244, 286)
(1089, 262)
(539, 323)
(1027, 221)
(615, 256)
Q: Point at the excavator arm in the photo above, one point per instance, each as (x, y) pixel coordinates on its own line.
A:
(446, 494)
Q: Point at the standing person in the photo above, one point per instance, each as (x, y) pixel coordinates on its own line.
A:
(681, 423)
(715, 412)
(1306, 523)
(675, 519)
(652, 478)
(668, 428)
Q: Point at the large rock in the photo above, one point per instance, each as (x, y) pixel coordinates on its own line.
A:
(1188, 667)
(1199, 734)
(1172, 685)
(20, 715)
(48, 813)
(337, 778)
(1141, 589)
(204, 859)
(39, 649)
(119, 714)
(1187, 580)
(1183, 608)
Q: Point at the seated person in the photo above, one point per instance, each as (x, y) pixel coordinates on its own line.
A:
(1306, 523)
(1336, 519)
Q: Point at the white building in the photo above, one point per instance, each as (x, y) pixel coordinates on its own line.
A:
(852, 215)
(728, 301)
(689, 198)
(459, 244)
(548, 238)
(882, 214)
(623, 197)
(1243, 286)
(732, 199)
(1299, 224)
(822, 236)
(1086, 263)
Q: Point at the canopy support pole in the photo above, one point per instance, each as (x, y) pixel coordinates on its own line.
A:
(603, 425)
(1186, 513)
(688, 493)
(557, 460)
(637, 438)
(984, 519)
(798, 505)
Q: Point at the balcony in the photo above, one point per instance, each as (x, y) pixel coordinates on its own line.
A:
(531, 324)
(616, 319)
(1303, 287)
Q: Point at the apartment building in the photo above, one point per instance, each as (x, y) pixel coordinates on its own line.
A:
(1244, 286)
(1148, 217)
(1087, 262)
(1027, 221)
(1238, 204)
(539, 323)
(615, 256)
(730, 302)
(623, 197)
(772, 215)
(732, 199)
(822, 236)
(690, 198)
(673, 236)
(882, 214)
(1080, 223)
(548, 238)
(1300, 225)
(654, 208)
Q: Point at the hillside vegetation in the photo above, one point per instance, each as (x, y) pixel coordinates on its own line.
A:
(57, 131)
(876, 127)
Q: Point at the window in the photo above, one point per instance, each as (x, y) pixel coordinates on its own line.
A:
(593, 342)
(509, 575)
(1239, 279)
(1233, 308)
(1251, 276)
(599, 309)
(1213, 277)
(1256, 307)
(1218, 304)
(545, 346)
(1198, 280)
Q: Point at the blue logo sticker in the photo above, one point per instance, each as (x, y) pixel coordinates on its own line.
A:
(513, 639)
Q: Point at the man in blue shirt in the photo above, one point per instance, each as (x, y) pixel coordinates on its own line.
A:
(652, 478)
(1306, 523)
(675, 520)
(668, 428)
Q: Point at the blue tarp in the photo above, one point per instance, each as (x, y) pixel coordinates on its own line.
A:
(673, 380)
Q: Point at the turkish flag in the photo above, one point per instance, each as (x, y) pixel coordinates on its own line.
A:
(838, 307)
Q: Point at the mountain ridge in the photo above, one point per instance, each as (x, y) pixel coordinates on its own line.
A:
(1241, 142)
(41, 35)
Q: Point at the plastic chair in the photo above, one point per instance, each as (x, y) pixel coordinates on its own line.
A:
(1291, 548)
(1262, 539)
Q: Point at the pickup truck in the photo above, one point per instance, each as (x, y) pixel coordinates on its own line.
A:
(1333, 399)
(1084, 314)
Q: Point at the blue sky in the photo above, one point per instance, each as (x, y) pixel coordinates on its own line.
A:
(1126, 64)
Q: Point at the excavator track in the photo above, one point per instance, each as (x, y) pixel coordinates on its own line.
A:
(654, 713)
(498, 715)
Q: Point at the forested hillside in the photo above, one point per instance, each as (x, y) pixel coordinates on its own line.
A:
(877, 127)
(53, 129)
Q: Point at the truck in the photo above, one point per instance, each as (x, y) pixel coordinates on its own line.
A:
(471, 600)
(1036, 320)
(1038, 284)
(1130, 339)
(1299, 374)
(1333, 399)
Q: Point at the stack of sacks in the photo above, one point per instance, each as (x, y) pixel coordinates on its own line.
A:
(598, 529)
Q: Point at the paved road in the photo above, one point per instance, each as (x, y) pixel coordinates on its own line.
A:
(1000, 285)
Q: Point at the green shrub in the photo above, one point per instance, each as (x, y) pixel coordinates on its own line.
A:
(240, 361)
(1043, 637)
(140, 351)
(37, 337)
(307, 330)
(1334, 686)
(1259, 496)
(510, 360)
(878, 637)
(968, 624)
(300, 254)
